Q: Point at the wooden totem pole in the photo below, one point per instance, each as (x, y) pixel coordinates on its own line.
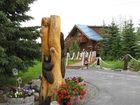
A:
(53, 69)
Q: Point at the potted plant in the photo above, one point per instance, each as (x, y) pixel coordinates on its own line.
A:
(20, 95)
(72, 91)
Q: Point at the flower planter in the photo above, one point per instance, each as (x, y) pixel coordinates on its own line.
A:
(21, 101)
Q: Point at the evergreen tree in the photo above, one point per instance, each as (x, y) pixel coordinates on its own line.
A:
(111, 43)
(129, 39)
(18, 46)
(138, 34)
(138, 43)
(104, 45)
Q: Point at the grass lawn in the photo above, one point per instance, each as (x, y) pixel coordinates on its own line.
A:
(32, 73)
(73, 61)
(27, 75)
(113, 65)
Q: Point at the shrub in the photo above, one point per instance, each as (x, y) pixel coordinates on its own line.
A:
(134, 66)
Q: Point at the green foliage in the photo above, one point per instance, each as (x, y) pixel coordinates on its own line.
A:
(119, 42)
(18, 46)
(134, 66)
(129, 39)
(73, 61)
(111, 46)
(3, 60)
(137, 50)
(74, 48)
(138, 34)
(111, 64)
(31, 73)
(114, 65)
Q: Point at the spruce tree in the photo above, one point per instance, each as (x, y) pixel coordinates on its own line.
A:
(138, 43)
(18, 46)
(129, 39)
(111, 43)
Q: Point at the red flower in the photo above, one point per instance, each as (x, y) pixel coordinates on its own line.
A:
(68, 96)
(62, 97)
(82, 92)
(75, 90)
(77, 82)
(73, 87)
(81, 97)
(64, 91)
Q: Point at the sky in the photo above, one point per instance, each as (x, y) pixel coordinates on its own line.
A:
(87, 12)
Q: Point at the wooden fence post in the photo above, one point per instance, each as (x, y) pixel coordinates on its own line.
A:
(125, 67)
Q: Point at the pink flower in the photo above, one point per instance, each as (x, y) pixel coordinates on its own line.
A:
(68, 103)
(75, 99)
(94, 88)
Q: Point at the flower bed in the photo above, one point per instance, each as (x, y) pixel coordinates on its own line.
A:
(72, 91)
(20, 95)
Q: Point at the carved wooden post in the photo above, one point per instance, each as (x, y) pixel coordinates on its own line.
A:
(44, 34)
(51, 58)
(55, 51)
(125, 67)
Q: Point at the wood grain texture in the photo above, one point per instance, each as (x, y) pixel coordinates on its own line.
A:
(50, 39)
(55, 52)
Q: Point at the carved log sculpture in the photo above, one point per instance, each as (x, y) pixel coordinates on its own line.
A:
(53, 70)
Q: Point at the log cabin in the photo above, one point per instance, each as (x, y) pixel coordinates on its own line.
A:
(87, 37)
